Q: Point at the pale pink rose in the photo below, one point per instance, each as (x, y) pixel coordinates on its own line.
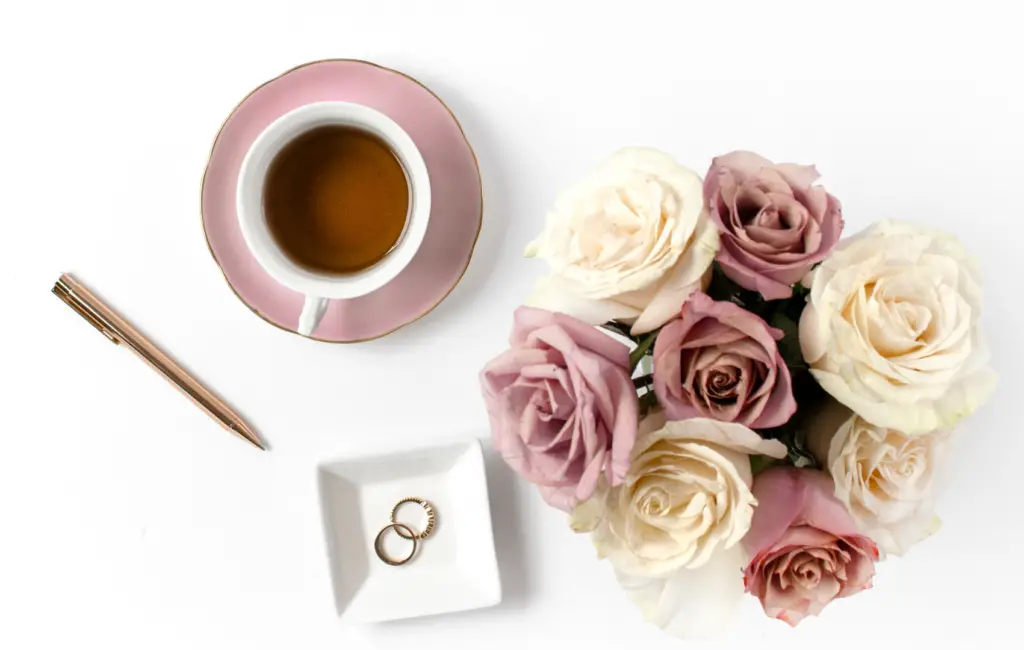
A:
(720, 361)
(775, 224)
(805, 546)
(562, 405)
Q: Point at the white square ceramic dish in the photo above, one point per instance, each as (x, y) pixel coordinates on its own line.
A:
(455, 569)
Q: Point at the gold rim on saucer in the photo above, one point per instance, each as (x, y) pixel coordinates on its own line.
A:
(462, 132)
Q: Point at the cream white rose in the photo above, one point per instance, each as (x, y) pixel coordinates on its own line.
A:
(891, 328)
(685, 497)
(630, 242)
(886, 478)
(691, 603)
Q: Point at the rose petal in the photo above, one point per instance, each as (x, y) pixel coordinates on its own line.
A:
(722, 333)
(891, 329)
(802, 176)
(554, 293)
(562, 406)
(728, 434)
(780, 500)
(728, 258)
(743, 163)
(688, 276)
(796, 226)
(691, 603)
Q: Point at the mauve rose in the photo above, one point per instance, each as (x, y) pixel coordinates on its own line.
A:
(562, 405)
(805, 546)
(774, 223)
(720, 361)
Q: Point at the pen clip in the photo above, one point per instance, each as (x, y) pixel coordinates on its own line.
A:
(62, 291)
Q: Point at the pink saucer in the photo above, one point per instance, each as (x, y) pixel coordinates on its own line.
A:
(456, 195)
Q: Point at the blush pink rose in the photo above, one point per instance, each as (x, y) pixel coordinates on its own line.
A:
(806, 548)
(775, 224)
(562, 405)
(720, 361)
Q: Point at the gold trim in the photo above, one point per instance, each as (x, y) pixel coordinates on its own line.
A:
(427, 508)
(378, 546)
(206, 168)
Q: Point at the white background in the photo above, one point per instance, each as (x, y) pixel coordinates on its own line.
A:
(128, 520)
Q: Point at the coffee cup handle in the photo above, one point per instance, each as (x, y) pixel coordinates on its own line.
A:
(312, 311)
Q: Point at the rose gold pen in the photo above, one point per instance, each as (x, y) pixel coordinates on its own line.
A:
(119, 331)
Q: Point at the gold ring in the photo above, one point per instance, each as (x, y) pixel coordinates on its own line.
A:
(431, 517)
(409, 535)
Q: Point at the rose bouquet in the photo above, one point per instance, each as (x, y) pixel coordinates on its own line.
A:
(726, 395)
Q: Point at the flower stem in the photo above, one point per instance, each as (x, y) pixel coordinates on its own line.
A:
(638, 353)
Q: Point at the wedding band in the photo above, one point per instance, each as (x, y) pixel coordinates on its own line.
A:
(398, 528)
(431, 518)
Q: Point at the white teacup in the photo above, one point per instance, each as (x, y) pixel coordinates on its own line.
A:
(319, 288)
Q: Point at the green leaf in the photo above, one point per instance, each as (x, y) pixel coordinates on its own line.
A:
(759, 463)
(721, 288)
(789, 346)
(641, 349)
(795, 305)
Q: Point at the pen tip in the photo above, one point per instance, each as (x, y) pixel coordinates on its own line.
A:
(247, 434)
(255, 440)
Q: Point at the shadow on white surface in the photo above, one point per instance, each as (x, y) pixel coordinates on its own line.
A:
(510, 545)
(492, 241)
(509, 531)
(455, 569)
